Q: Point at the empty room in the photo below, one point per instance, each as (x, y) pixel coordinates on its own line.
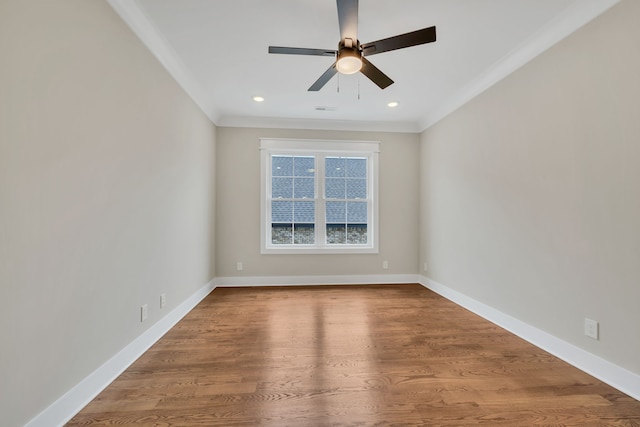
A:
(319, 213)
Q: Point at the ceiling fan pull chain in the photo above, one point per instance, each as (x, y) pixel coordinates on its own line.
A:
(358, 88)
(338, 88)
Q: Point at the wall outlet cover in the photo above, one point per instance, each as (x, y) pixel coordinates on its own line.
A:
(591, 328)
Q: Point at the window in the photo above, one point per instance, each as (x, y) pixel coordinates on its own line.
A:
(319, 196)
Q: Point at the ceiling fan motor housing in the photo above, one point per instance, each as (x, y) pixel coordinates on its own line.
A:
(349, 59)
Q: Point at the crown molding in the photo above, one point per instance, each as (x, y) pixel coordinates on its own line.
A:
(580, 13)
(577, 15)
(318, 124)
(142, 27)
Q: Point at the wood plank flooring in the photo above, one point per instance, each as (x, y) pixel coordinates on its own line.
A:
(379, 355)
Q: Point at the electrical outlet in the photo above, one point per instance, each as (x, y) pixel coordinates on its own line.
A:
(425, 267)
(144, 312)
(591, 328)
(163, 300)
(385, 264)
(239, 266)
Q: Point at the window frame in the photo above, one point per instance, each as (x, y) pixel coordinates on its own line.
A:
(320, 149)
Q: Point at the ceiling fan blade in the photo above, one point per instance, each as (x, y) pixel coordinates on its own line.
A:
(324, 78)
(375, 75)
(414, 38)
(302, 51)
(348, 19)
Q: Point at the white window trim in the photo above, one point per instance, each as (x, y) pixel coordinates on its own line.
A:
(369, 149)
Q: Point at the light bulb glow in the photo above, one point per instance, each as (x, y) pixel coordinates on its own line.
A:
(349, 65)
(258, 98)
(349, 61)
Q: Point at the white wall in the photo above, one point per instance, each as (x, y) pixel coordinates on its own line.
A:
(106, 196)
(238, 207)
(530, 194)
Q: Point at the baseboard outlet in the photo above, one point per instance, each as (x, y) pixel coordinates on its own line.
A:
(620, 378)
(373, 279)
(63, 409)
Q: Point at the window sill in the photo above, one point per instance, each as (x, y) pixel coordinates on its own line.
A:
(317, 251)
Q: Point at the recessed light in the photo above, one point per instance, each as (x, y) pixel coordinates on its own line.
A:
(392, 104)
(258, 98)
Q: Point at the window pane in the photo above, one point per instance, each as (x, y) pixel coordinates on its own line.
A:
(282, 166)
(335, 188)
(281, 212)
(304, 212)
(304, 188)
(357, 234)
(281, 188)
(334, 166)
(356, 167)
(304, 166)
(304, 234)
(357, 212)
(336, 234)
(356, 188)
(336, 212)
(281, 234)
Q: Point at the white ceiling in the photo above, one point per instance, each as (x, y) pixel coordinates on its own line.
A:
(217, 50)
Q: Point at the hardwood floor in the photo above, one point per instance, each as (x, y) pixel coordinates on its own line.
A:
(349, 356)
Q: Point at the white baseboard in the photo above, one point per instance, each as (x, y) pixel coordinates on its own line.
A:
(63, 409)
(366, 279)
(620, 378)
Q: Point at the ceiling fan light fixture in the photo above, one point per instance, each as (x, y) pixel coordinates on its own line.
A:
(350, 56)
(349, 61)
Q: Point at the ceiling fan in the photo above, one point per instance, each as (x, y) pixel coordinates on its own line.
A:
(350, 56)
